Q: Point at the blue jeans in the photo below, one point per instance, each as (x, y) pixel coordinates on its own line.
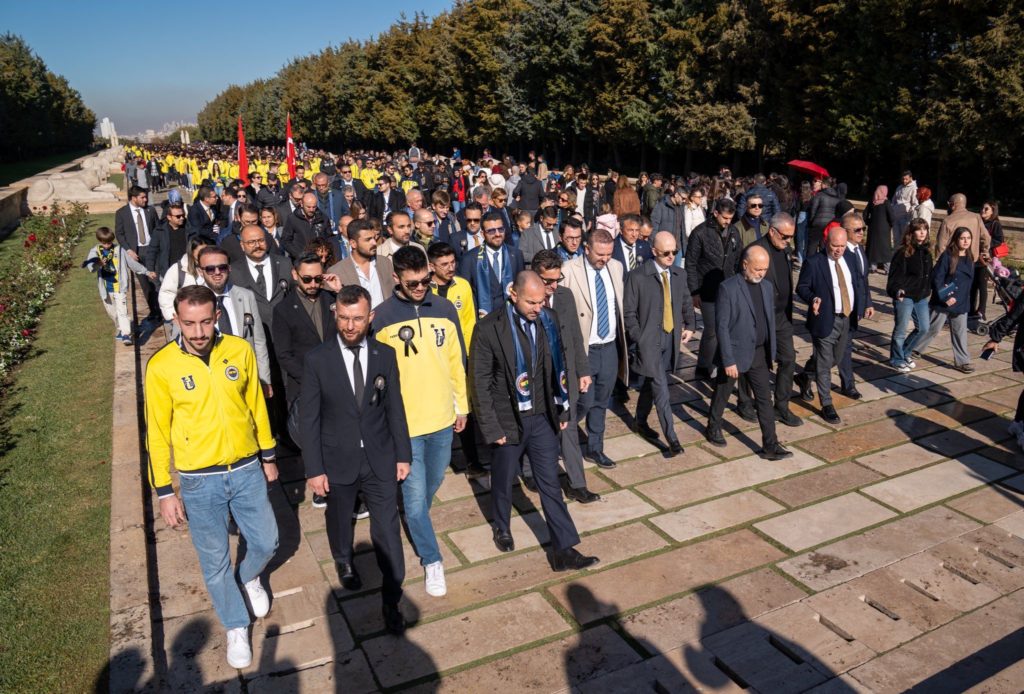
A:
(208, 499)
(431, 454)
(902, 344)
(801, 241)
(457, 206)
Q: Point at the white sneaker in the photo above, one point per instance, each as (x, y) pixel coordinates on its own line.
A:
(911, 363)
(904, 368)
(258, 597)
(434, 579)
(239, 653)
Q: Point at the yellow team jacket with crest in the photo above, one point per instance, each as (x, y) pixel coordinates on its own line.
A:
(209, 414)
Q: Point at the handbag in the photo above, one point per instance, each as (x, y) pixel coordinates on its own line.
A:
(947, 291)
(1001, 251)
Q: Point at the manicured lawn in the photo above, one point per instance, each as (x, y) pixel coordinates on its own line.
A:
(17, 170)
(55, 496)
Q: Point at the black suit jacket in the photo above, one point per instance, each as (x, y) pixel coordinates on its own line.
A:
(492, 359)
(124, 227)
(199, 223)
(815, 282)
(158, 255)
(467, 270)
(576, 363)
(278, 274)
(337, 433)
(295, 335)
(643, 253)
(375, 203)
(642, 308)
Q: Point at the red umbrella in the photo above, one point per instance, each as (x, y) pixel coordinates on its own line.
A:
(808, 167)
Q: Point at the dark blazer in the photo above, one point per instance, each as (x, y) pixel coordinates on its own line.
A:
(734, 320)
(232, 244)
(783, 304)
(375, 203)
(299, 231)
(467, 270)
(860, 282)
(816, 282)
(962, 278)
(642, 308)
(459, 241)
(278, 274)
(333, 208)
(532, 240)
(124, 227)
(339, 184)
(492, 360)
(445, 228)
(295, 335)
(643, 253)
(199, 223)
(158, 256)
(337, 433)
(576, 363)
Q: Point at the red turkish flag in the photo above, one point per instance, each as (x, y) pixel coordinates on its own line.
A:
(290, 144)
(243, 158)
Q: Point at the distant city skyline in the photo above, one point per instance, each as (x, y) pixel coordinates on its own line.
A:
(177, 63)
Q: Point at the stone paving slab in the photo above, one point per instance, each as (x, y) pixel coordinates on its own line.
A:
(992, 502)
(985, 559)
(956, 656)
(712, 516)
(723, 478)
(899, 459)
(937, 482)
(854, 556)
(447, 643)
(853, 442)
(653, 466)
(814, 640)
(824, 521)
(763, 661)
(821, 483)
(348, 672)
(603, 594)
(530, 530)
(626, 447)
(927, 573)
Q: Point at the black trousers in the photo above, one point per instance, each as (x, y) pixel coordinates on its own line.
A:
(152, 296)
(540, 441)
(785, 368)
(654, 390)
(1019, 417)
(381, 498)
(708, 336)
(467, 441)
(979, 290)
(759, 378)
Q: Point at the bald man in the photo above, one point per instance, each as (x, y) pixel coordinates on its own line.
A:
(518, 381)
(331, 202)
(658, 313)
(306, 223)
(745, 323)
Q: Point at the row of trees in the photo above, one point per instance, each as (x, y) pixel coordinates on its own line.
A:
(39, 111)
(868, 86)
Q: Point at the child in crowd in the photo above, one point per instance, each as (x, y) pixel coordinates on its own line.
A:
(111, 264)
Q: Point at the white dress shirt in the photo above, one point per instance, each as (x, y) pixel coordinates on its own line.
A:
(861, 258)
(625, 255)
(267, 279)
(609, 292)
(371, 284)
(349, 358)
(145, 232)
(548, 237)
(494, 258)
(848, 276)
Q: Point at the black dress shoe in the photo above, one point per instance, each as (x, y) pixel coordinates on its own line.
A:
(602, 460)
(702, 374)
(803, 382)
(349, 576)
(476, 471)
(530, 484)
(582, 495)
(503, 541)
(394, 620)
(644, 430)
(674, 448)
(714, 436)
(788, 418)
(746, 414)
(829, 414)
(776, 452)
(570, 560)
(851, 393)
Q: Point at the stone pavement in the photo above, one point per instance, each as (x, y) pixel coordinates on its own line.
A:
(887, 554)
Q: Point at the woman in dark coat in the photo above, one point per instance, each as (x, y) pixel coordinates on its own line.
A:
(996, 332)
(878, 216)
(909, 285)
(951, 297)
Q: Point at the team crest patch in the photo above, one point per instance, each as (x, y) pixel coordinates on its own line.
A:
(523, 385)
(189, 382)
(458, 304)
(439, 336)
(564, 380)
(232, 373)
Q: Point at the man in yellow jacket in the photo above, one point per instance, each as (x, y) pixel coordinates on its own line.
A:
(204, 402)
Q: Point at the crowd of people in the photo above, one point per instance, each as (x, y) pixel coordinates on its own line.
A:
(373, 306)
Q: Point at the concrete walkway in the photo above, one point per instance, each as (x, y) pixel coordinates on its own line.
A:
(886, 554)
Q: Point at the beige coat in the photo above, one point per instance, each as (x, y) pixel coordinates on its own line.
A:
(575, 274)
(980, 239)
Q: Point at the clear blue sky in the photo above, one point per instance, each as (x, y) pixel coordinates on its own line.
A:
(143, 64)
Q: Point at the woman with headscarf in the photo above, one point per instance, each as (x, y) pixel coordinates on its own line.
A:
(878, 215)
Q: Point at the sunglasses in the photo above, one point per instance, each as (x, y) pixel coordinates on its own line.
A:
(413, 284)
(555, 280)
(472, 220)
(216, 269)
(755, 206)
(784, 237)
(310, 279)
(494, 232)
(430, 223)
(176, 216)
(664, 254)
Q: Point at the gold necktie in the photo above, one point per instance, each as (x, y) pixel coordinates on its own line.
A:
(666, 299)
(844, 294)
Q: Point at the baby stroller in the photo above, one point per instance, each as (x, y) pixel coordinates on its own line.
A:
(1009, 287)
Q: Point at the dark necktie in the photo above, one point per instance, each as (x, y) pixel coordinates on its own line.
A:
(261, 281)
(603, 327)
(632, 256)
(224, 322)
(357, 376)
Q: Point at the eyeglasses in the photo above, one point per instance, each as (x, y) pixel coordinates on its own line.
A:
(255, 242)
(413, 284)
(345, 171)
(755, 206)
(310, 279)
(858, 230)
(216, 269)
(473, 220)
(784, 237)
(494, 232)
(554, 280)
(563, 199)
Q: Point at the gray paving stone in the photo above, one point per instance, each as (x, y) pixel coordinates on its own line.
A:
(712, 516)
(899, 459)
(824, 521)
(937, 482)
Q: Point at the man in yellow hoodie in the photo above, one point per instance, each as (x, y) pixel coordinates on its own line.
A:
(204, 402)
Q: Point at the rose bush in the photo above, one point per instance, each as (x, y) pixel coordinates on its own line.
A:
(28, 278)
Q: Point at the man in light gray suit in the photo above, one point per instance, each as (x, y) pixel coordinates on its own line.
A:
(658, 313)
(364, 267)
(745, 317)
(239, 312)
(539, 236)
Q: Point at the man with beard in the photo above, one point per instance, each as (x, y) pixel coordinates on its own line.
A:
(304, 225)
(364, 267)
(355, 440)
(745, 313)
(203, 401)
